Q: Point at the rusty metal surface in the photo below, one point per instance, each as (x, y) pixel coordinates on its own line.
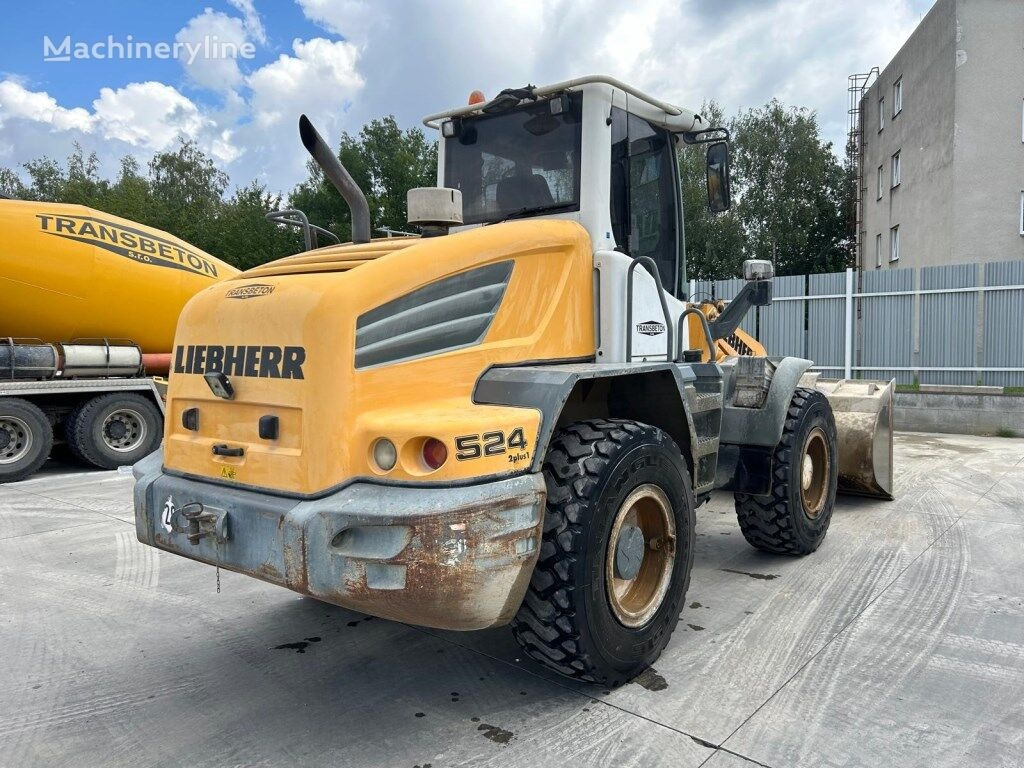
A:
(457, 557)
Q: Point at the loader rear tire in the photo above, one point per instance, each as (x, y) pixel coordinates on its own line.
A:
(26, 438)
(616, 489)
(794, 519)
(113, 430)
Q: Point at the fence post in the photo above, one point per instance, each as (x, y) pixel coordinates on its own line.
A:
(848, 352)
(693, 290)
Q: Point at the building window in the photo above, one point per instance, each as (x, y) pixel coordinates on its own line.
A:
(878, 250)
(896, 170)
(897, 97)
(894, 243)
(881, 182)
(881, 114)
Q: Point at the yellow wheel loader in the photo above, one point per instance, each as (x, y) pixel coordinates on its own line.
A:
(506, 420)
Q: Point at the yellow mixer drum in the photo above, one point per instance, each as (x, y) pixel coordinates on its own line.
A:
(70, 272)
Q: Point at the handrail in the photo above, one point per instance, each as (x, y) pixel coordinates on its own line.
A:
(648, 262)
(545, 90)
(704, 325)
(293, 217)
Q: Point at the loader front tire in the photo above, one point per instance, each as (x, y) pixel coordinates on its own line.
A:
(616, 552)
(794, 519)
(113, 430)
(26, 438)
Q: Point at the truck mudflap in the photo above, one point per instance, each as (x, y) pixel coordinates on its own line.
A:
(446, 557)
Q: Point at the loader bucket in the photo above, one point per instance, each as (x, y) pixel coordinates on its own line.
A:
(864, 414)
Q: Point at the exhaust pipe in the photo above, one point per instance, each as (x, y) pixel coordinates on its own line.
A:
(340, 178)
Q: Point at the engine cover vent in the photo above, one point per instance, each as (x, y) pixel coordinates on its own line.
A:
(449, 314)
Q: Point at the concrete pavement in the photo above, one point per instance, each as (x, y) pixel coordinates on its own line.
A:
(900, 642)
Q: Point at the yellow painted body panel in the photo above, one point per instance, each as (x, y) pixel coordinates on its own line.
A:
(67, 272)
(330, 418)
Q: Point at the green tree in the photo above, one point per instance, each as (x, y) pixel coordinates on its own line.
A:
(187, 193)
(793, 190)
(386, 162)
(714, 242)
(242, 236)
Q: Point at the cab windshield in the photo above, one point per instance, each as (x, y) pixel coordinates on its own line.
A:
(521, 162)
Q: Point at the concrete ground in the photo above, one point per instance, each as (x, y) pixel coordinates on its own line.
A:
(900, 642)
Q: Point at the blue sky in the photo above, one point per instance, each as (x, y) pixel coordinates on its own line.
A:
(347, 61)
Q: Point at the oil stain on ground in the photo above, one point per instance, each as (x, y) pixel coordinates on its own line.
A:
(651, 680)
(298, 647)
(495, 734)
(764, 576)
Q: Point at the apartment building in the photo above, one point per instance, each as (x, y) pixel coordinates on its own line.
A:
(942, 142)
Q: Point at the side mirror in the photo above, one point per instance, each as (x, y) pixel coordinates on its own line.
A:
(718, 177)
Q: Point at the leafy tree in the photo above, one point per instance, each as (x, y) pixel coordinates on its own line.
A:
(243, 236)
(386, 162)
(714, 242)
(794, 191)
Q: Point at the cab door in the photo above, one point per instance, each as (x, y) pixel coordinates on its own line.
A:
(645, 194)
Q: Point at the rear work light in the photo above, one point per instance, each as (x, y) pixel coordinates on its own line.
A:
(435, 453)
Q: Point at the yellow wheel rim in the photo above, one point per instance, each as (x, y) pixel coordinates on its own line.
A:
(635, 599)
(814, 472)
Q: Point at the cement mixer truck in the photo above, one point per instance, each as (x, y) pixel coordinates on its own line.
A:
(90, 304)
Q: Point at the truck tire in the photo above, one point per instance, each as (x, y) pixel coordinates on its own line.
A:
(112, 430)
(616, 552)
(26, 438)
(794, 519)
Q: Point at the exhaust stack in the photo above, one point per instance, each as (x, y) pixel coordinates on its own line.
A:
(339, 177)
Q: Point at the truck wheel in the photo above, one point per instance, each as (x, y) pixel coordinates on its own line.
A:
(109, 431)
(616, 553)
(26, 438)
(793, 520)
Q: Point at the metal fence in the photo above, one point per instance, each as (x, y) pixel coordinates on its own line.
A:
(956, 324)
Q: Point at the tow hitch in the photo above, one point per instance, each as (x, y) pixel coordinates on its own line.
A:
(200, 520)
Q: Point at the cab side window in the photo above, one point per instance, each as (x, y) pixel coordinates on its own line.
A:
(643, 194)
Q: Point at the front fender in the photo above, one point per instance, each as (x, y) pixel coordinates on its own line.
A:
(763, 426)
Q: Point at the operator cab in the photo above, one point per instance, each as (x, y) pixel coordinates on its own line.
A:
(593, 150)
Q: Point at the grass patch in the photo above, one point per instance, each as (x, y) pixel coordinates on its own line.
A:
(1004, 432)
(915, 387)
(1013, 390)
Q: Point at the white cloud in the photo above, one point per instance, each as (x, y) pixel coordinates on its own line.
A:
(217, 73)
(152, 115)
(351, 19)
(16, 101)
(252, 21)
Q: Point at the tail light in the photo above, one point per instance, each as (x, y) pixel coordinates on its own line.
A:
(435, 453)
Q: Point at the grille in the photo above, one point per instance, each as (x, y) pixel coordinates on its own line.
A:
(449, 314)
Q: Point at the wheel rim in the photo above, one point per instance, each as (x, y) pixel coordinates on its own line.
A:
(15, 439)
(814, 473)
(634, 601)
(124, 430)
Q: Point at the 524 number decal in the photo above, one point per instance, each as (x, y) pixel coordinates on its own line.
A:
(493, 443)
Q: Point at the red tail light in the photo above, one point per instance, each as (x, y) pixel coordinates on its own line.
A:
(435, 453)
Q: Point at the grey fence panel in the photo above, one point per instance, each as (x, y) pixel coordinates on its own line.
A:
(948, 328)
(885, 326)
(781, 325)
(1003, 327)
(826, 323)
